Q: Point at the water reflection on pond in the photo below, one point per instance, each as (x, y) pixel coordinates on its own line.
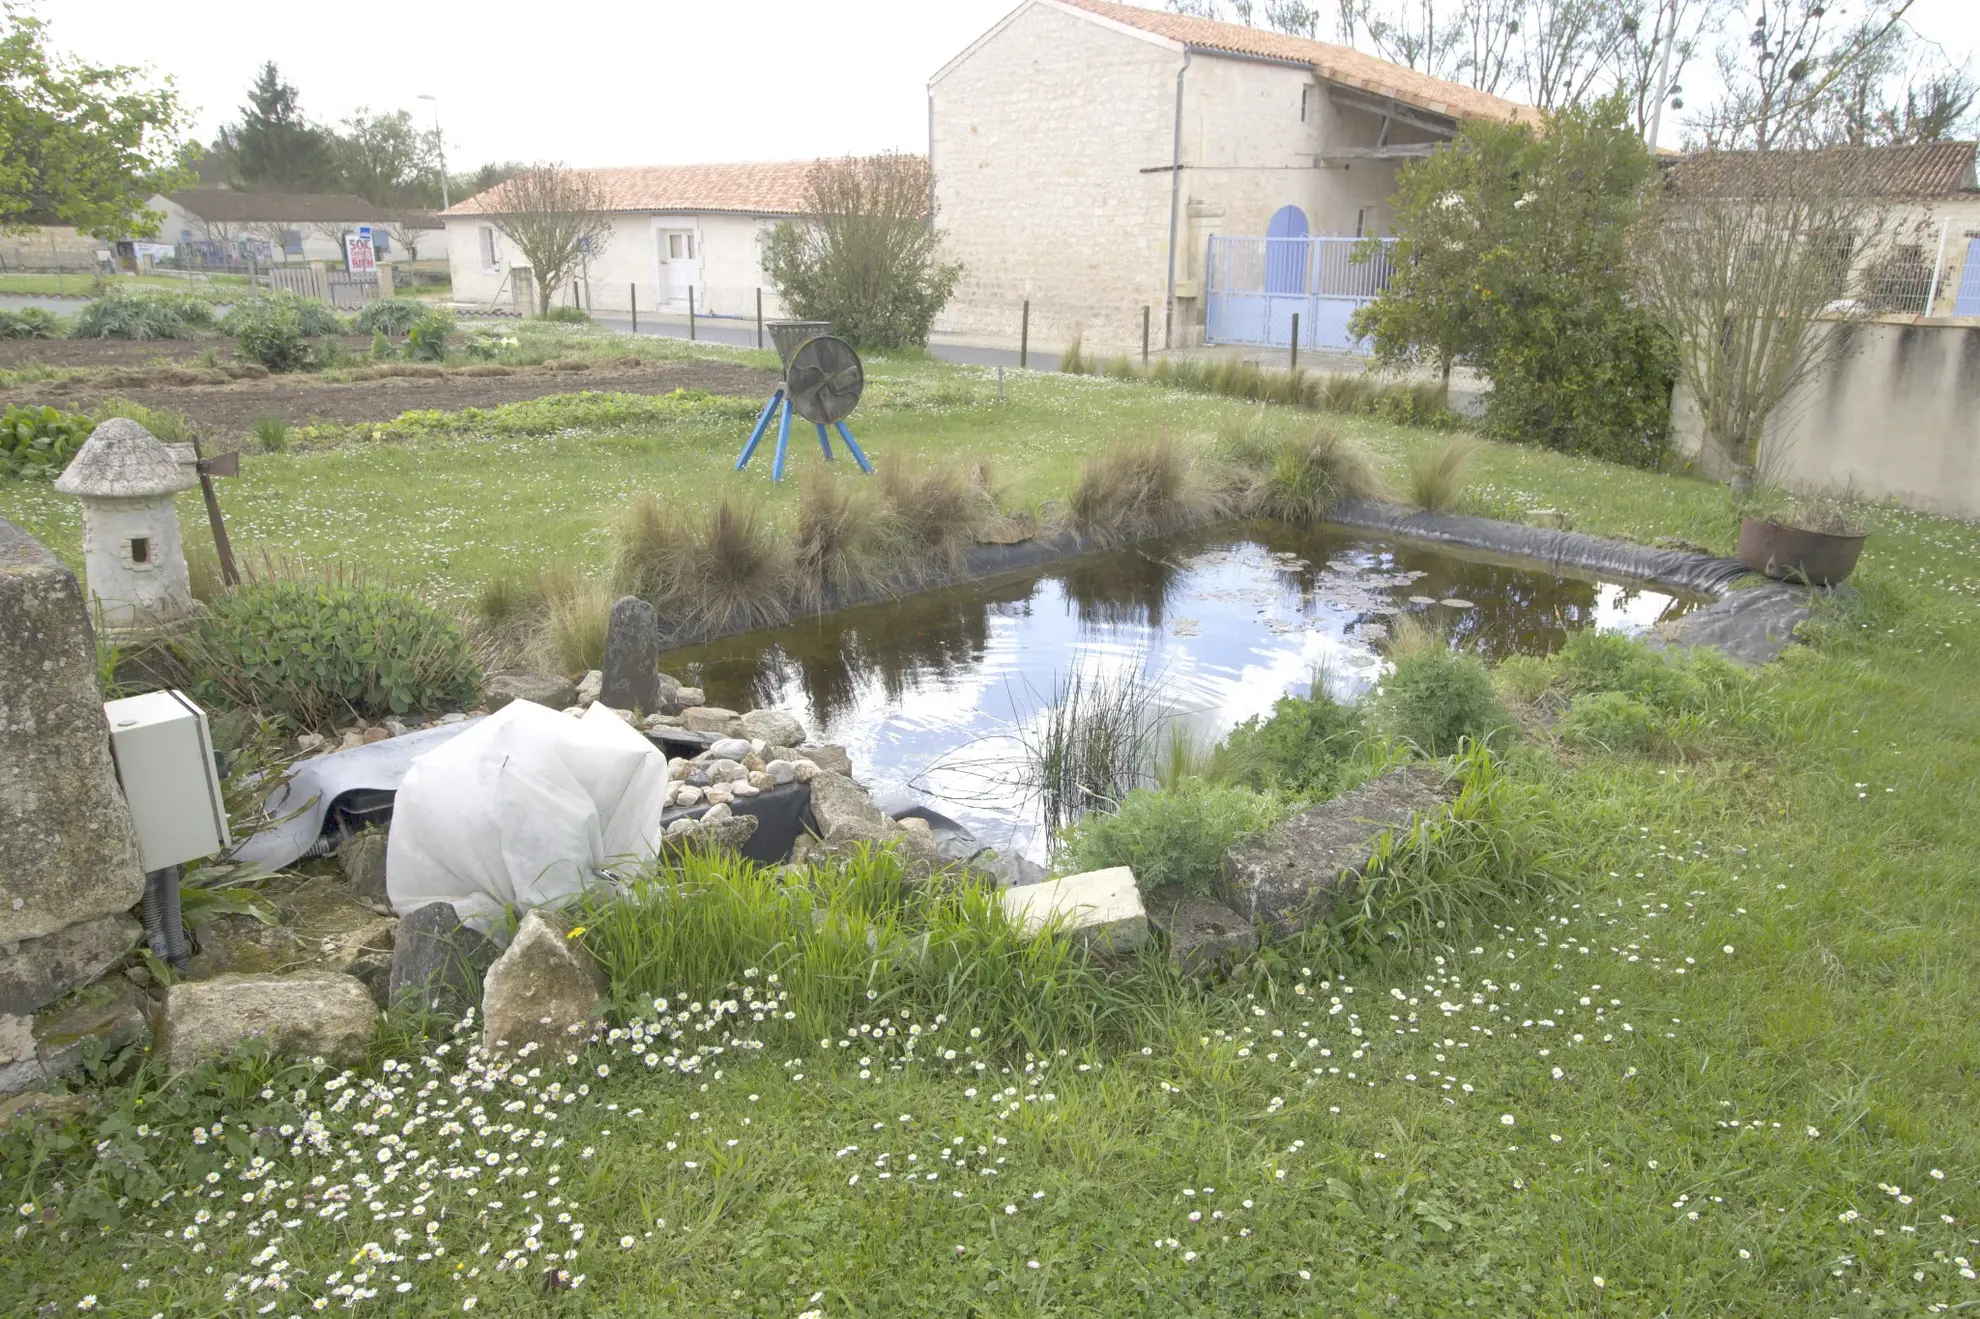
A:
(921, 689)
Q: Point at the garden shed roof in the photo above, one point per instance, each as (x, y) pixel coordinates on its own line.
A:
(123, 460)
(761, 187)
(1340, 64)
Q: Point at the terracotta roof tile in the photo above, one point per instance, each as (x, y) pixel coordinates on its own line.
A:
(1340, 64)
(774, 187)
(1929, 169)
(230, 205)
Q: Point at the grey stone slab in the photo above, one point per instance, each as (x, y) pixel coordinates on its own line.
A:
(1204, 936)
(39, 971)
(304, 1015)
(1292, 877)
(67, 853)
(632, 657)
(544, 990)
(545, 689)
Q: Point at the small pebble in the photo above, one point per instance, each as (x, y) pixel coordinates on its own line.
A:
(779, 771)
(375, 735)
(729, 748)
(717, 795)
(760, 781)
(677, 768)
(744, 789)
(719, 811)
(687, 795)
(453, 717)
(309, 742)
(805, 771)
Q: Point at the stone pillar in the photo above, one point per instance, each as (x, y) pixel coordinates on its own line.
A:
(523, 281)
(69, 865)
(385, 289)
(632, 658)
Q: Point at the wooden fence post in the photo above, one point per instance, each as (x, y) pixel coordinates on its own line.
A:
(759, 318)
(1024, 336)
(1295, 342)
(635, 306)
(690, 311)
(1144, 334)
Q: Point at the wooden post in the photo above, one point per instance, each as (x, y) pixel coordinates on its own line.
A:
(228, 574)
(635, 307)
(690, 311)
(1295, 342)
(1144, 334)
(1024, 336)
(759, 318)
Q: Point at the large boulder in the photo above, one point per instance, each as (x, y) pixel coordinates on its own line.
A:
(544, 990)
(1203, 935)
(437, 963)
(1100, 908)
(67, 853)
(1291, 877)
(39, 971)
(545, 689)
(729, 833)
(773, 726)
(830, 758)
(306, 1015)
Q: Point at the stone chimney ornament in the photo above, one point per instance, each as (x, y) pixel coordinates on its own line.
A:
(134, 562)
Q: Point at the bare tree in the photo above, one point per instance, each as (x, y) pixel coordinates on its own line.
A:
(1566, 46)
(1636, 58)
(557, 217)
(1755, 263)
(407, 235)
(1793, 57)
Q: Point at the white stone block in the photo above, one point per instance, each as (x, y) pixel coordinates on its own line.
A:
(1101, 907)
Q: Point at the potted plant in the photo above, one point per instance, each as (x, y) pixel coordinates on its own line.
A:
(1801, 538)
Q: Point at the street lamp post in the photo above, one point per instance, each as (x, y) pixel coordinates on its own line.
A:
(440, 145)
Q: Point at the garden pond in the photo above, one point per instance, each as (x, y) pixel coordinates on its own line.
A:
(931, 693)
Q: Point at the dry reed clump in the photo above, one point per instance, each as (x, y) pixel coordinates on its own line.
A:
(936, 510)
(1296, 477)
(553, 620)
(1434, 480)
(848, 539)
(1140, 487)
(724, 570)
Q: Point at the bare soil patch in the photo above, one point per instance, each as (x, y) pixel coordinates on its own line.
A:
(225, 402)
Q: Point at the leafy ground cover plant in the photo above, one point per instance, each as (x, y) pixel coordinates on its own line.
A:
(1171, 837)
(31, 323)
(153, 314)
(1437, 698)
(390, 316)
(37, 443)
(278, 329)
(317, 650)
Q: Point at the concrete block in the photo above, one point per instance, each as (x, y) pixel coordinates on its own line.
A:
(1102, 908)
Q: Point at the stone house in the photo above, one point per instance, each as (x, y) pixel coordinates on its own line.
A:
(1085, 153)
(675, 228)
(290, 226)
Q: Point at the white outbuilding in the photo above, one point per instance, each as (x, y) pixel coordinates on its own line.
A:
(133, 560)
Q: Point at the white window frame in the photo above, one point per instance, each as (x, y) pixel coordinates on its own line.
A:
(489, 239)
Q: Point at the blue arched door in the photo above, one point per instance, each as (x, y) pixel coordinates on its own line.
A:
(1286, 251)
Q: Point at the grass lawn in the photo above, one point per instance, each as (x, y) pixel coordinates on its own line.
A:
(214, 285)
(1726, 1069)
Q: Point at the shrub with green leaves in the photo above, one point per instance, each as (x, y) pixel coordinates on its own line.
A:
(1301, 749)
(1612, 721)
(149, 314)
(274, 329)
(1438, 697)
(1172, 836)
(426, 339)
(568, 316)
(390, 316)
(37, 443)
(30, 323)
(315, 651)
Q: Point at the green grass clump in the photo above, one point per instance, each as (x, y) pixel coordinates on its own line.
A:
(568, 315)
(935, 510)
(270, 432)
(318, 651)
(846, 540)
(1135, 488)
(1296, 478)
(721, 571)
(153, 314)
(1434, 479)
(1171, 837)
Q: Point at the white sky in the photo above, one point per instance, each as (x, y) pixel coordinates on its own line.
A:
(633, 82)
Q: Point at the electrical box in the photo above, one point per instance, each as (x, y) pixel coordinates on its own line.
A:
(165, 762)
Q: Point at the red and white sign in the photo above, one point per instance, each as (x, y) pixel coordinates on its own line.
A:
(359, 256)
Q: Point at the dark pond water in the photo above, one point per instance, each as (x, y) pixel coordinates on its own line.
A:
(927, 691)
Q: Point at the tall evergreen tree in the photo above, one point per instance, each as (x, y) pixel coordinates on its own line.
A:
(274, 146)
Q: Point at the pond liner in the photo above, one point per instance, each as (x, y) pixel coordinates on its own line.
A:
(1563, 552)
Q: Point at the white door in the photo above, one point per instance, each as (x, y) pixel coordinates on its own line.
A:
(680, 257)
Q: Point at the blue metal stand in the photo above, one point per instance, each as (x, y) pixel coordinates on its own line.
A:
(783, 441)
(782, 398)
(852, 446)
(762, 424)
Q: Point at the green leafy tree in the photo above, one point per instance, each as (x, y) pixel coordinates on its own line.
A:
(1511, 254)
(387, 159)
(274, 146)
(82, 144)
(864, 256)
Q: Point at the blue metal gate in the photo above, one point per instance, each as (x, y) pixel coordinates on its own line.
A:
(1254, 286)
(1967, 303)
